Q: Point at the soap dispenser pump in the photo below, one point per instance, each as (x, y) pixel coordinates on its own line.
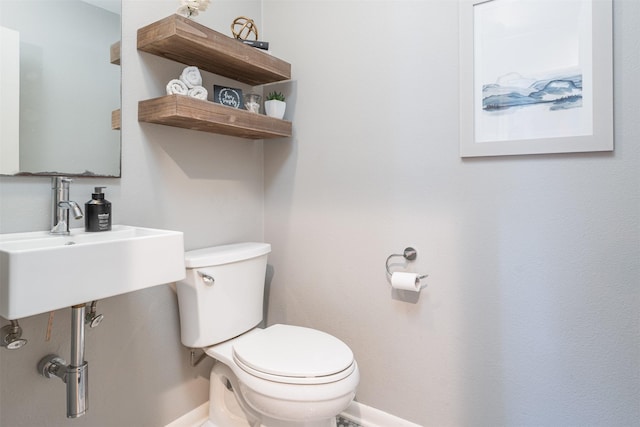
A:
(97, 212)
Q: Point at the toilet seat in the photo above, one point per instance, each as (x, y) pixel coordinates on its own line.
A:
(294, 355)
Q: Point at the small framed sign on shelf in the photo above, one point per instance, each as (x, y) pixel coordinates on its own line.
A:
(535, 77)
(229, 96)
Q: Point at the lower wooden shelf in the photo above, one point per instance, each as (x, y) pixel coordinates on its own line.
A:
(115, 119)
(192, 113)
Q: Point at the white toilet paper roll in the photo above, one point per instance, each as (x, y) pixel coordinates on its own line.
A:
(405, 281)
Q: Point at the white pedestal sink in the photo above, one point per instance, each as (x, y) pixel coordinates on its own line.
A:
(40, 272)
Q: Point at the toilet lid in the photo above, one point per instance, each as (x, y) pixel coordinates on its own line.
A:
(293, 352)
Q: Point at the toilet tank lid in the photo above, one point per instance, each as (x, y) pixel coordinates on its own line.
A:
(218, 255)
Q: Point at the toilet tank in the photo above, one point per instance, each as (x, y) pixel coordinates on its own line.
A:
(222, 294)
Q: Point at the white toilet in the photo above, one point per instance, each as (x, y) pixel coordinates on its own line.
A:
(281, 376)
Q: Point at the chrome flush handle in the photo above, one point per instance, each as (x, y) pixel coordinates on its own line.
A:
(208, 280)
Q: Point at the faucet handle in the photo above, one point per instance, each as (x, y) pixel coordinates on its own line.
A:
(60, 182)
(65, 181)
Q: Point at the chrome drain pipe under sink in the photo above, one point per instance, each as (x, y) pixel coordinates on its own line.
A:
(75, 374)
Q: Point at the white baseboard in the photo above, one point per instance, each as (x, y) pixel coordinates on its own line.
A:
(193, 418)
(367, 416)
(364, 415)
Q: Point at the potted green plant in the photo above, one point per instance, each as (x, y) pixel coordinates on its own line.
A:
(275, 105)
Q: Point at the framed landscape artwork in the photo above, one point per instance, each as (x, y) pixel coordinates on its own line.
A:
(535, 77)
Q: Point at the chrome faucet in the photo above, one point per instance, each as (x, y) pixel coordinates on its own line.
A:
(61, 205)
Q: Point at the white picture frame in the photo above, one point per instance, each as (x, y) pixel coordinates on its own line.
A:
(536, 76)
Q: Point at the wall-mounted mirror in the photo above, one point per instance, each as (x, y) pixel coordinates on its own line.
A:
(59, 87)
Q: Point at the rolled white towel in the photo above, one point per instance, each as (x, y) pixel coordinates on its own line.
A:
(177, 87)
(198, 92)
(191, 77)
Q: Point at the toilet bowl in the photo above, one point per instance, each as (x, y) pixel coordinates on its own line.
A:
(280, 376)
(285, 375)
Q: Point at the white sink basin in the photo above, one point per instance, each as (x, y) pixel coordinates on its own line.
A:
(40, 272)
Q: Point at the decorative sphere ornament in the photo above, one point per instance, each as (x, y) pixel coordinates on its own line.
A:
(243, 27)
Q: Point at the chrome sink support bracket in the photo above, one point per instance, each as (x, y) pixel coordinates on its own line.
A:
(75, 374)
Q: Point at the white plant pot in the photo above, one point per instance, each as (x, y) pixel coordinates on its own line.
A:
(275, 108)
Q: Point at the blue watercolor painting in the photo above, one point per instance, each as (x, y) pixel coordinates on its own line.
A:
(560, 92)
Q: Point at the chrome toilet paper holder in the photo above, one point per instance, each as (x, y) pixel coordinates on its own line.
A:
(409, 254)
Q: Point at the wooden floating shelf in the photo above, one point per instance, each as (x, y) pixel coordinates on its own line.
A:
(183, 40)
(114, 53)
(192, 113)
(115, 119)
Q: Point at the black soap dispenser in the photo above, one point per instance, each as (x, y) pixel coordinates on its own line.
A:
(97, 212)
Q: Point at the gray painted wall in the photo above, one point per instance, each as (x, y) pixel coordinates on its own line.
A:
(530, 317)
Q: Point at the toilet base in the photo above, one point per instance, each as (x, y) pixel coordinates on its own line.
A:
(226, 411)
